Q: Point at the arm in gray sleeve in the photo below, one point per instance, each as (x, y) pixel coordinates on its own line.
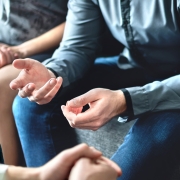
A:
(156, 96)
(81, 40)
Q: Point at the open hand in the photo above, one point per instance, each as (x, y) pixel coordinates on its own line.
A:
(103, 105)
(35, 81)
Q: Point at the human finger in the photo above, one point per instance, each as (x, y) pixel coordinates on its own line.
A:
(91, 127)
(84, 99)
(68, 114)
(27, 90)
(86, 168)
(17, 83)
(82, 150)
(2, 59)
(23, 63)
(39, 95)
(8, 55)
(51, 93)
(112, 164)
(66, 161)
(90, 115)
(81, 127)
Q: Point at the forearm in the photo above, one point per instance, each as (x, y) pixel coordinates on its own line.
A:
(156, 96)
(46, 41)
(20, 173)
(81, 41)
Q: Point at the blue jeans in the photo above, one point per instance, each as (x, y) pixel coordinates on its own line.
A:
(151, 149)
(44, 131)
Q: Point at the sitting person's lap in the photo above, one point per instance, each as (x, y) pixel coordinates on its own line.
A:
(43, 129)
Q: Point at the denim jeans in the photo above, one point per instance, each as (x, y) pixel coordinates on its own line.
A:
(44, 131)
(151, 149)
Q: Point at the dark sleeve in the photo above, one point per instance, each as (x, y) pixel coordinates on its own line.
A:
(81, 41)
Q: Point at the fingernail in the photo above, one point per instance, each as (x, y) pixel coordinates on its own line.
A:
(30, 87)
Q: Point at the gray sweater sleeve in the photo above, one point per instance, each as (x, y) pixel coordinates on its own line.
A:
(77, 52)
(156, 96)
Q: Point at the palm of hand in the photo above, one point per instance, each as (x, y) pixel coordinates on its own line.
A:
(37, 75)
(32, 72)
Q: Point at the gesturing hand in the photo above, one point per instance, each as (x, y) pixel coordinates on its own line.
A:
(103, 105)
(35, 81)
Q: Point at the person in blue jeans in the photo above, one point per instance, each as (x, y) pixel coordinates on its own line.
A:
(141, 83)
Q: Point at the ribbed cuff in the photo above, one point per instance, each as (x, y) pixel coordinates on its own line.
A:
(129, 110)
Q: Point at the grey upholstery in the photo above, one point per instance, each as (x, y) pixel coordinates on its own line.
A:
(108, 138)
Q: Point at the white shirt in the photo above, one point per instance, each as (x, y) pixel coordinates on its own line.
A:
(3, 169)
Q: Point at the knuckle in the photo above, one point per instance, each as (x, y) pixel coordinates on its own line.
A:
(98, 124)
(31, 99)
(84, 146)
(36, 98)
(95, 129)
(21, 94)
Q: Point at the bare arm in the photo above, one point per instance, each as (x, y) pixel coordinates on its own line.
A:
(41, 43)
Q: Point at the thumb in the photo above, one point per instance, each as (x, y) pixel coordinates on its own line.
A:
(23, 63)
(83, 150)
(84, 99)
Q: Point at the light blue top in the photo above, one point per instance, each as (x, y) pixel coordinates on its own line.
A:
(150, 31)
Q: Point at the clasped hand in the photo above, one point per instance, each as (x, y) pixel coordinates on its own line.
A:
(35, 81)
(6, 55)
(103, 105)
(80, 163)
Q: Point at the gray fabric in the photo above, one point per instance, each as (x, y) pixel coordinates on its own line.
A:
(109, 137)
(30, 18)
(5, 8)
(156, 96)
(148, 28)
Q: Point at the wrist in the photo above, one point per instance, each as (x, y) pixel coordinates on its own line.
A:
(51, 74)
(20, 173)
(20, 50)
